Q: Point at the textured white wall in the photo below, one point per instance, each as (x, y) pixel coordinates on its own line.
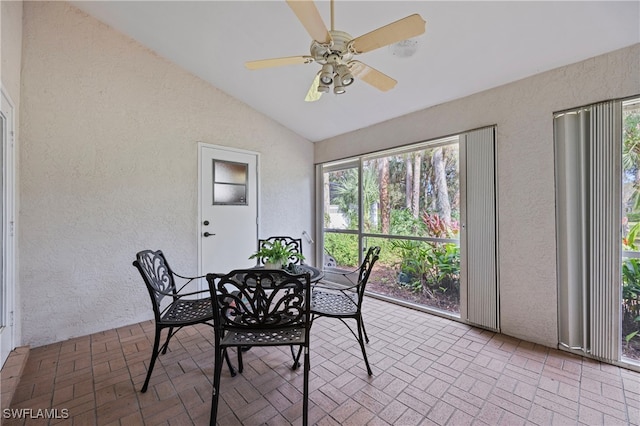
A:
(10, 60)
(523, 112)
(109, 167)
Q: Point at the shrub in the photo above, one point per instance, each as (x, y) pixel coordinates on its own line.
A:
(343, 248)
(426, 267)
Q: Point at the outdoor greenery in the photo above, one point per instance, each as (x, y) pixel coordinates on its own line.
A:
(631, 284)
(276, 253)
(413, 194)
(343, 248)
(631, 220)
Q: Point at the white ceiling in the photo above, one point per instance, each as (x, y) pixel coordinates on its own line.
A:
(469, 46)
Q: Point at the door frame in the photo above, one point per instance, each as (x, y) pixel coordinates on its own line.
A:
(7, 342)
(201, 146)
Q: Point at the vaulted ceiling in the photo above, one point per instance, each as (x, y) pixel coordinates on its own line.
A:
(468, 47)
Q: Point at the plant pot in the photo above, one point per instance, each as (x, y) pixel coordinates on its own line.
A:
(273, 265)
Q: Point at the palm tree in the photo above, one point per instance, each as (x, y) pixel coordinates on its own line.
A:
(346, 195)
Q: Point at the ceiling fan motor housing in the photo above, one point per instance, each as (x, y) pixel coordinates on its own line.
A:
(336, 52)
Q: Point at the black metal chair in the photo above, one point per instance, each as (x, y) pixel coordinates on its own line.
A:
(260, 307)
(293, 244)
(179, 309)
(345, 302)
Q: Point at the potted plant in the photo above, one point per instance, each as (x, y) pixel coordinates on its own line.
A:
(275, 255)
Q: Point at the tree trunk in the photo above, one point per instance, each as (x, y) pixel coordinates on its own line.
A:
(327, 200)
(385, 210)
(417, 165)
(408, 182)
(443, 205)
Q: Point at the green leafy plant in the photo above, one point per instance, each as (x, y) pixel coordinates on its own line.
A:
(428, 267)
(343, 248)
(403, 223)
(633, 334)
(631, 280)
(277, 253)
(414, 264)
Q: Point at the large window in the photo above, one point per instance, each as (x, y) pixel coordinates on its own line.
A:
(408, 203)
(431, 207)
(631, 230)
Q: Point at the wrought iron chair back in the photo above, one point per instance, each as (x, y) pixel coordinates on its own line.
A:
(256, 299)
(372, 256)
(293, 244)
(179, 309)
(260, 307)
(158, 277)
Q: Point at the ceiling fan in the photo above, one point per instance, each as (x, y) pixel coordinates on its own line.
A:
(335, 50)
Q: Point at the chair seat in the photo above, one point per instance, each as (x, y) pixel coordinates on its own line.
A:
(328, 302)
(189, 310)
(276, 337)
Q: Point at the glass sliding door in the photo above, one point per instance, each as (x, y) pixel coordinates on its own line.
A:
(631, 231)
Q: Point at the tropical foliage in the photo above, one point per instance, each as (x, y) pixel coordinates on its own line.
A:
(631, 220)
(414, 194)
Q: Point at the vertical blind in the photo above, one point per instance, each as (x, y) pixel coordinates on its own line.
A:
(588, 143)
(480, 228)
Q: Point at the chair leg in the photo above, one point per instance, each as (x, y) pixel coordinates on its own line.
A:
(154, 355)
(366, 338)
(305, 391)
(296, 357)
(240, 365)
(232, 371)
(166, 343)
(361, 341)
(217, 371)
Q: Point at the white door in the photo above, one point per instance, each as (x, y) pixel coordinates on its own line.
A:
(6, 228)
(228, 228)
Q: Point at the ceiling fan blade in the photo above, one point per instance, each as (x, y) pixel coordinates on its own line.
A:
(308, 15)
(371, 76)
(278, 62)
(313, 94)
(411, 26)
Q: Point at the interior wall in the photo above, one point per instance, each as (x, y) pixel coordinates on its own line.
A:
(10, 62)
(109, 167)
(523, 112)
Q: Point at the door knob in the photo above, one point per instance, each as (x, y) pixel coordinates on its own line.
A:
(205, 223)
(206, 234)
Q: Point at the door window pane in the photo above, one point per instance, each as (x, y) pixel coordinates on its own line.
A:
(229, 183)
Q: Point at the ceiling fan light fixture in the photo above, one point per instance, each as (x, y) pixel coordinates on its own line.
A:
(338, 88)
(344, 75)
(323, 88)
(326, 75)
(347, 79)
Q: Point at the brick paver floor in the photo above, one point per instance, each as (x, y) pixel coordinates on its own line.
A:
(428, 370)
